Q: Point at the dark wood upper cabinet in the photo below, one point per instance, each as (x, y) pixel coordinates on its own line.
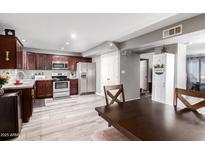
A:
(59, 58)
(40, 62)
(48, 62)
(85, 59)
(43, 61)
(11, 53)
(72, 61)
(30, 61)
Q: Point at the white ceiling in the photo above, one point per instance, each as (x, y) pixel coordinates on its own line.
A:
(52, 31)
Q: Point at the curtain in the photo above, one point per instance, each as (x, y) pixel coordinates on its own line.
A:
(202, 75)
(192, 71)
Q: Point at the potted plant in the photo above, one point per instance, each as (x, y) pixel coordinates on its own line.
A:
(164, 49)
(3, 80)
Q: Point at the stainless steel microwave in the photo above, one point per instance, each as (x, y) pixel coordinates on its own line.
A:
(59, 65)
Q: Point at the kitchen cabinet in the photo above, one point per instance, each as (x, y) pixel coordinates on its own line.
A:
(73, 86)
(10, 115)
(24, 60)
(27, 99)
(48, 62)
(11, 52)
(59, 58)
(43, 62)
(30, 61)
(72, 61)
(85, 59)
(44, 88)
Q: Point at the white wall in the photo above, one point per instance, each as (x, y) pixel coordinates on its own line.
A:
(129, 75)
(97, 60)
(196, 49)
(181, 66)
(101, 69)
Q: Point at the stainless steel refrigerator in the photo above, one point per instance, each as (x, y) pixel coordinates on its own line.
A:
(86, 73)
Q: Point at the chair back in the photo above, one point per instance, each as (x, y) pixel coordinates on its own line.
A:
(110, 98)
(180, 93)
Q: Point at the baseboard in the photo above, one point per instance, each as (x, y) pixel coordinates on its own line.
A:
(131, 99)
(98, 94)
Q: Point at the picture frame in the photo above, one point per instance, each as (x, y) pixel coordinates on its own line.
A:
(10, 32)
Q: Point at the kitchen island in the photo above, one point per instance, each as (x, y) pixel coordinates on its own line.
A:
(27, 89)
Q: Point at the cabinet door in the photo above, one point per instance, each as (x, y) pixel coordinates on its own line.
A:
(59, 58)
(19, 55)
(40, 89)
(74, 86)
(24, 60)
(40, 62)
(48, 62)
(86, 59)
(7, 53)
(49, 88)
(31, 61)
(72, 62)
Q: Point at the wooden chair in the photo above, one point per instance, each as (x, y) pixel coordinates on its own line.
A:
(179, 95)
(114, 98)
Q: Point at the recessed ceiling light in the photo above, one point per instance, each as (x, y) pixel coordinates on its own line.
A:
(110, 44)
(73, 35)
(67, 43)
(23, 40)
(62, 48)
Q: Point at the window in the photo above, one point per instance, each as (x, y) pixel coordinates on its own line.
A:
(195, 72)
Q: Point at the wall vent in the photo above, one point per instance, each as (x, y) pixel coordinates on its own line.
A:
(173, 31)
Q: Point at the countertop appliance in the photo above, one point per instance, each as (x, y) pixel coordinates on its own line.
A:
(86, 77)
(61, 85)
(59, 65)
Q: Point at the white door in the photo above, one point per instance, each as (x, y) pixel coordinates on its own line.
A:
(158, 83)
(109, 69)
(143, 74)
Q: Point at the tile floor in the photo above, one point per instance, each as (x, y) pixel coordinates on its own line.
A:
(69, 119)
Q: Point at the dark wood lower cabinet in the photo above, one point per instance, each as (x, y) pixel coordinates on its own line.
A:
(44, 89)
(10, 115)
(73, 86)
(27, 100)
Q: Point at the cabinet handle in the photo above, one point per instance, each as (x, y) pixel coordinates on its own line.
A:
(7, 55)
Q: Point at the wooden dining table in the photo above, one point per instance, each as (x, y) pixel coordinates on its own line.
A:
(147, 120)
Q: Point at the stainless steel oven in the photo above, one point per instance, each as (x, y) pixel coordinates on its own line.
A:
(59, 65)
(61, 85)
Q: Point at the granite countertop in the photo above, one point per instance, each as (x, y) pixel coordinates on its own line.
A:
(27, 83)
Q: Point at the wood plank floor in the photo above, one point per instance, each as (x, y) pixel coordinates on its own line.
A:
(69, 119)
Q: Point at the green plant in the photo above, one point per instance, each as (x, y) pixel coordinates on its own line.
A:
(164, 49)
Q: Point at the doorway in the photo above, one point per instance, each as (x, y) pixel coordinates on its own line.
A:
(144, 85)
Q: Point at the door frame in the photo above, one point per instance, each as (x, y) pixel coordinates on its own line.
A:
(147, 60)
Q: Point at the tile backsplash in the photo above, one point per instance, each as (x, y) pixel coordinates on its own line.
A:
(29, 74)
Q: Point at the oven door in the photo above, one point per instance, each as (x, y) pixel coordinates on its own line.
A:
(58, 65)
(61, 86)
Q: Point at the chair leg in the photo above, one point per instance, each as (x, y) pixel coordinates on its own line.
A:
(109, 124)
